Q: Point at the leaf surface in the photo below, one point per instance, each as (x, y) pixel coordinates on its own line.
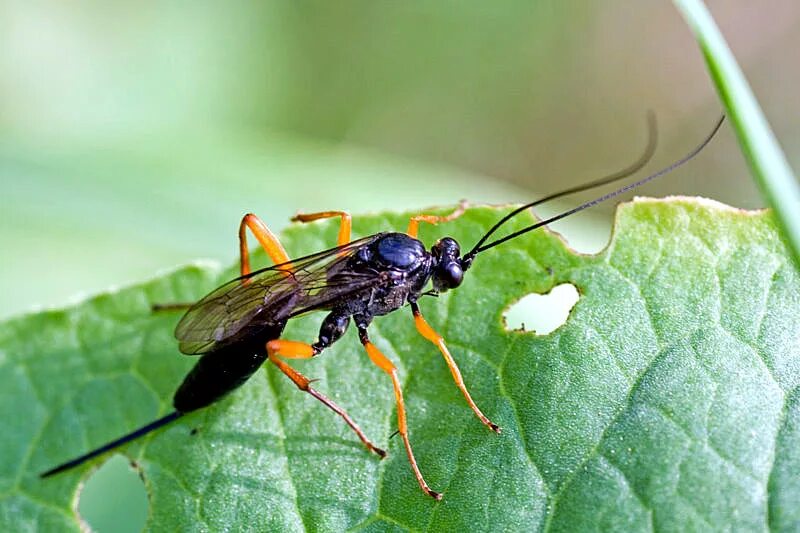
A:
(668, 400)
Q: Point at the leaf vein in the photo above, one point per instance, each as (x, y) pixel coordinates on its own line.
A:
(625, 406)
(515, 410)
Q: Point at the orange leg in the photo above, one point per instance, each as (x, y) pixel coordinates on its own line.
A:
(344, 228)
(300, 350)
(413, 225)
(426, 331)
(382, 362)
(265, 237)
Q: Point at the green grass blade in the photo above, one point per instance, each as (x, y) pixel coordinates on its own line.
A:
(769, 167)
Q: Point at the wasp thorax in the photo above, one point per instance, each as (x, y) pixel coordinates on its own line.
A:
(398, 250)
(448, 273)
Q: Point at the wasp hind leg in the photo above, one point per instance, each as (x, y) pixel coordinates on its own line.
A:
(413, 224)
(383, 362)
(299, 350)
(265, 237)
(428, 332)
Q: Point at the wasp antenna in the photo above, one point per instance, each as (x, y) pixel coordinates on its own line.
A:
(652, 141)
(480, 247)
(152, 426)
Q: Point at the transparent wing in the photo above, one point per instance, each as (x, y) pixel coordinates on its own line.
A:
(270, 296)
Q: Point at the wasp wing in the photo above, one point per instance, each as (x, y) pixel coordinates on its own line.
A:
(270, 296)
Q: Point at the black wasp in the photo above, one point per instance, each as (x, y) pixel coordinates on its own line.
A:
(238, 326)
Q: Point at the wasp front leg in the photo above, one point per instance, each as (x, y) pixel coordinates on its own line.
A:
(428, 332)
(413, 224)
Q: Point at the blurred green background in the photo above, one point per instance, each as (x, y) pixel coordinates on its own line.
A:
(134, 135)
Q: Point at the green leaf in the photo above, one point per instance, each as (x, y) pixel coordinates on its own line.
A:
(768, 165)
(669, 399)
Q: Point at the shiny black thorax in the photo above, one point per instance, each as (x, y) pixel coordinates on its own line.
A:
(403, 268)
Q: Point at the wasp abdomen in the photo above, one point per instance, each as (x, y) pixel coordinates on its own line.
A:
(219, 372)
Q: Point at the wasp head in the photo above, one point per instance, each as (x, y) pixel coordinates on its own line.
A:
(448, 272)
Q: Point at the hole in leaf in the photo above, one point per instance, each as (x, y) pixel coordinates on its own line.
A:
(542, 313)
(114, 498)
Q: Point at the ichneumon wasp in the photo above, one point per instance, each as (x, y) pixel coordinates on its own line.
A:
(237, 327)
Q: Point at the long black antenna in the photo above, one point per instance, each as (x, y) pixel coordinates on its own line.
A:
(152, 426)
(480, 247)
(652, 141)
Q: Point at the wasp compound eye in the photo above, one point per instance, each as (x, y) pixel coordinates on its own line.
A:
(448, 275)
(454, 275)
